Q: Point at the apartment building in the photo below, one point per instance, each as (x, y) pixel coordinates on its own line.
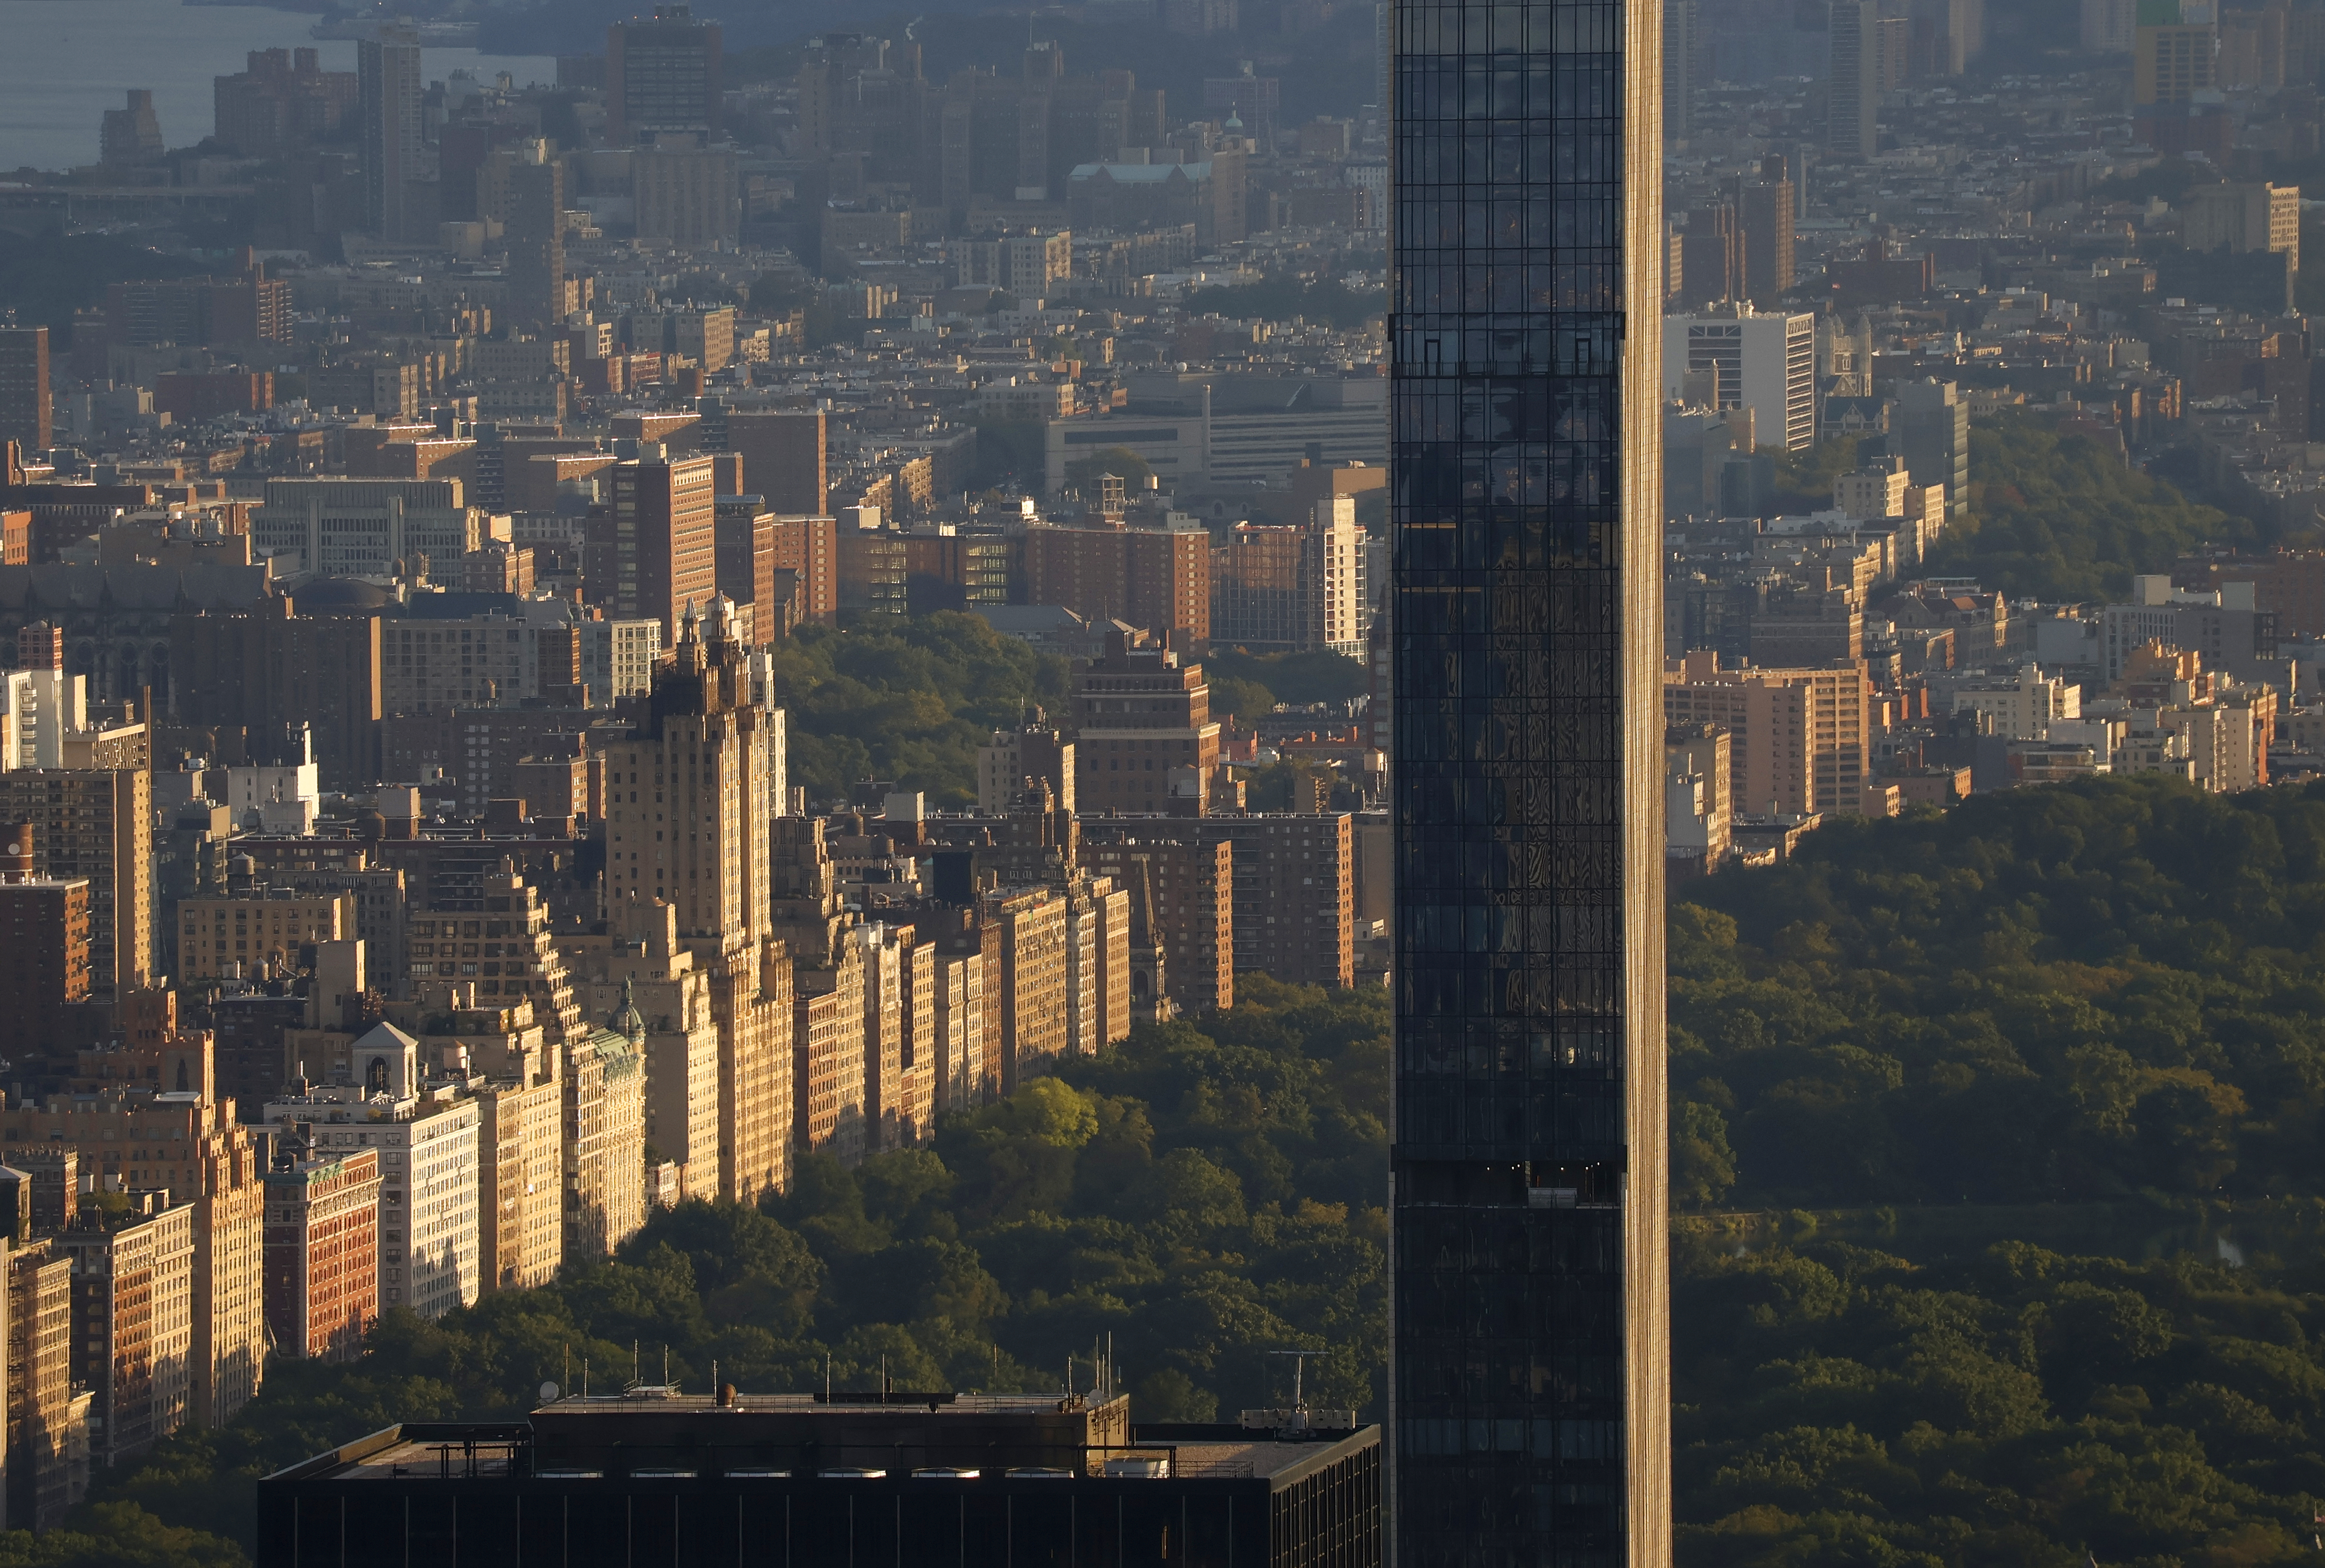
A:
(133, 1321)
(96, 826)
(1293, 895)
(323, 1253)
(1192, 875)
(1799, 738)
(427, 1143)
(260, 933)
(48, 1413)
(645, 970)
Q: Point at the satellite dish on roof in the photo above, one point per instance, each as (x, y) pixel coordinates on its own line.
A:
(549, 1393)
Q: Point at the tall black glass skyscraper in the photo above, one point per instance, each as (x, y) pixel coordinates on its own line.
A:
(1530, 1385)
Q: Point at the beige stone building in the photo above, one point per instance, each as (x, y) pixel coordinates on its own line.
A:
(828, 1053)
(499, 953)
(605, 1137)
(48, 1418)
(690, 801)
(1097, 964)
(1699, 818)
(1033, 1020)
(899, 976)
(374, 1093)
(514, 1078)
(756, 1016)
(643, 966)
(520, 1217)
(1799, 739)
(133, 1321)
(958, 994)
(261, 932)
(146, 1115)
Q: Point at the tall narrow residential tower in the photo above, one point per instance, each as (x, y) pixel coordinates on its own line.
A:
(387, 73)
(1531, 1386)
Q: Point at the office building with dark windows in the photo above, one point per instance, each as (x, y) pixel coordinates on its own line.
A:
(836, 1481)
(1531, 1401)
(662, 76)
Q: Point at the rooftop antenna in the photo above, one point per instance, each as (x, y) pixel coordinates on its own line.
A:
(1299, 1422)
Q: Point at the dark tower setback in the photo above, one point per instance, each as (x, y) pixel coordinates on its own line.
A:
(1530, 1385)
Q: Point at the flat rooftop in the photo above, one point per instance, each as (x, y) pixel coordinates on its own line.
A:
(698, 1440)
(839, 1407)
(406, 1456)
(409, 1457)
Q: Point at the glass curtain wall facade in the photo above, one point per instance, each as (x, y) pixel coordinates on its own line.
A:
(1530, 1392)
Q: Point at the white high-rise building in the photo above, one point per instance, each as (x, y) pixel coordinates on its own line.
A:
(375, 1098)
(2109, 25)
(37, 707)
(1732, 356)
(1340, 573)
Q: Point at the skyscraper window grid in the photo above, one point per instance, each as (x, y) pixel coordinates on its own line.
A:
(1530, 1388)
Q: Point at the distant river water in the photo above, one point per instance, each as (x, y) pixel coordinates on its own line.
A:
(65, 62)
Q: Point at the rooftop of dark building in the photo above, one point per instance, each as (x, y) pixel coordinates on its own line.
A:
(653, 1434)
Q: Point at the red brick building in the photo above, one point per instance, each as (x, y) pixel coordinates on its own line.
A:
(1145, 738)
(783, 458)
(1156, 580)
(1189, 874)
(746, 558)
(808, 546)
(1294, 895)
(660, 550)
(323, 1253)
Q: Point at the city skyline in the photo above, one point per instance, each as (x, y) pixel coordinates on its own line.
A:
(1529, 785)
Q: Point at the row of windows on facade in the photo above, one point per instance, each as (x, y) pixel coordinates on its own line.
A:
(433, 638)
(1515, 869)
(1568, 1441)
(1580, 1111)
(1588, 931)
(1500, 1048)
(1439, 84)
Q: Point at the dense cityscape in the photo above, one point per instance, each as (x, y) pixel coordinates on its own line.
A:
(884, 789)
